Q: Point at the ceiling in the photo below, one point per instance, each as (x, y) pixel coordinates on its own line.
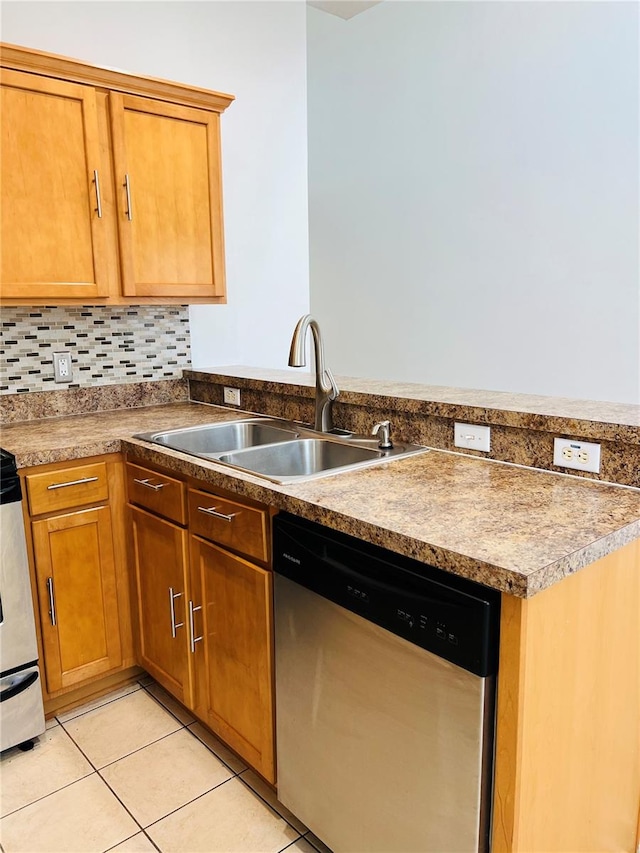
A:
(343, 8)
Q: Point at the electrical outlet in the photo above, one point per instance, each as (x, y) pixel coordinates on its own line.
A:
(232, 396)
(472, 436)
(579, 455)
(62, 370)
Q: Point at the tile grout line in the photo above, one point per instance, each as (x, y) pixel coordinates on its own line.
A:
(164, 707)
(124, 840)
(102, 779)
(309, 841)
(269, 806)
(62, 787)
(182, 726)
(138, 749)
(103, 705)
(236, 773)
(97, 770)
(195, 799)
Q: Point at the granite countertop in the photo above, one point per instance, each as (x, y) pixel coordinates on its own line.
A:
(612, 421)
(519, 530)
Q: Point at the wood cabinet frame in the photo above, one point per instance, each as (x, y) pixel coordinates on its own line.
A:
(114, 282)
(76, 687)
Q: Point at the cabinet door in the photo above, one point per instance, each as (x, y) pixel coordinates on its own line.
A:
(53, 242)
(76, 577)
(160, 555)
(167, 166)
(238, 646)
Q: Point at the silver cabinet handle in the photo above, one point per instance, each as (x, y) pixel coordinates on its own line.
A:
(72, 483)
(52, 602)
(96, 181)
(127, 186)
(172, 610)
(211, 510)
(192, 638)
(155, 486)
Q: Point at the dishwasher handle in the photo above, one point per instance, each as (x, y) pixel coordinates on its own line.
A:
(376, 584)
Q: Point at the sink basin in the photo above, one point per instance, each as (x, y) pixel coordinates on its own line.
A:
(302, 457)
(222, 437)
(279, 450)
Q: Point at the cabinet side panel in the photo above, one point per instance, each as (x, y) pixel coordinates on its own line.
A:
(509, 712)
(579, 710)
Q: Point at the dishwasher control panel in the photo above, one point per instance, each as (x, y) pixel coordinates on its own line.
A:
(455, 618)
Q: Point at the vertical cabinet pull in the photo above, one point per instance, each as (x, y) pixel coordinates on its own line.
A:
(192, 637)
(172, 610)
(52, 602)
(96, 181)
(127, 186)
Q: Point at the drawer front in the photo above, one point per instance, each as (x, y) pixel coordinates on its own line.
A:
(157, 492)
(234, 525)
(67, 488)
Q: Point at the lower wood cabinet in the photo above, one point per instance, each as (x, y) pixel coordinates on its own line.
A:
(205, 601)
(77, 592)
(236, 598)
(79, 574)
(160, 565)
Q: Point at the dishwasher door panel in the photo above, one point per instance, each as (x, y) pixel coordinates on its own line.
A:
(382, 746)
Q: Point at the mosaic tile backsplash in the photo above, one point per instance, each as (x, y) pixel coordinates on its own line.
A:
(108, 345)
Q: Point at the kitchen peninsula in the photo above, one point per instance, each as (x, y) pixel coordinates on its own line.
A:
(564, 551)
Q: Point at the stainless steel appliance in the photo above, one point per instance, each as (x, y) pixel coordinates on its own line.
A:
(21, 709)
(385, 686)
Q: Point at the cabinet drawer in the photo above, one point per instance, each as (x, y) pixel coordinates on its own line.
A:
(157, 492)
(67, 488)
(237, 526)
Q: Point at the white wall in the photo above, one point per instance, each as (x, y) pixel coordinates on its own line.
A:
(255, 51)
(474, 194)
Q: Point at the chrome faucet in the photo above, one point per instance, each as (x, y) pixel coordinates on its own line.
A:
(326, 388)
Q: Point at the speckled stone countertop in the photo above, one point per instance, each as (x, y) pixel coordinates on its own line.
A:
(516, 529)
(613, 421)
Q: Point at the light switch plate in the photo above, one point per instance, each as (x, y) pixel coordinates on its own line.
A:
(472, 436)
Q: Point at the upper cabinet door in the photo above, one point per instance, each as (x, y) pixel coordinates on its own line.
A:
(53, 240)
(167, 173)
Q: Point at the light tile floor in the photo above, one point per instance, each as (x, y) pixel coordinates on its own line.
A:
(133, 772)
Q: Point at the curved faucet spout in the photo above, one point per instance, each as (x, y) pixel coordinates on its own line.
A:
(326, 388)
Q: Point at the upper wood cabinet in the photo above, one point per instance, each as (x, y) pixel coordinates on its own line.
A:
(110, 185)
(167, 164)
(53, 243)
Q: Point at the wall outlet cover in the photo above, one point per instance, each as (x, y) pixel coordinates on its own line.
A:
(62, 369)
(578, 455)
(231, 396)
(472, 436)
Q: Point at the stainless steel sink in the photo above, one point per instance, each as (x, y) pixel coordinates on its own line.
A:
(222, 437)
(279, 450)
(302, 457)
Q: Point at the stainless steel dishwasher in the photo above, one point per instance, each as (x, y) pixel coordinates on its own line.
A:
(385, 687)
